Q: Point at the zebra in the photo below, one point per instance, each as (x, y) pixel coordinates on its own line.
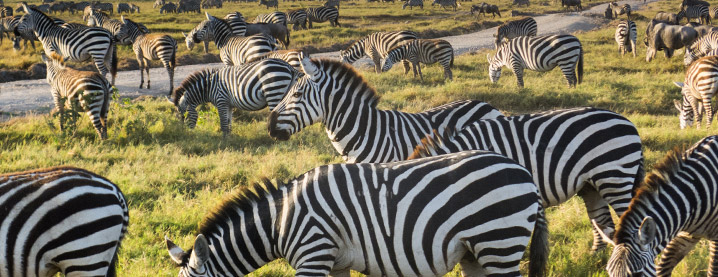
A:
(332, 3)
(690, 12)
(63, 220)
(425, 51)
(74, 89)
(298, 18)
(697, 90)
(7, 26)
(586, 151)
(168, 8)
(275, 17)
(515, 28)
(149, 47)
(713, 12)
(619, 10)
(377, 46)
(236, 23)
(233, 50)
(413, 3)
(73, 44)
(101, 19)
(541, 53)
(673, 209)
(292, 56)
(322, 14)
(334, 94)
(408, 218)
(250, 87)
(445, 3)
(625, 36)
(123, 7)
(700, 48)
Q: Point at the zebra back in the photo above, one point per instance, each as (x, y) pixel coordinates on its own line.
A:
(700, 48)
(292, 56)
(379, 42)
(236, 23)
(322, 14)
(239, 50)
(521, 27)
(275, 17)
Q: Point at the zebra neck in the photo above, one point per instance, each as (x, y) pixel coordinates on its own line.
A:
(221, 35)
(348, 129)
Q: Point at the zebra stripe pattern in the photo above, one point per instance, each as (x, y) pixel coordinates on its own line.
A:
(626, 34)
(73, 89)
(298, 18)
(586, 151)
(233, 50)
(101, 19)
(698, 89)
(60, 220)
(148, 47)
(292, 56)
(691, 12)
(673, 209)
(426, 51)
(377, 43)
(323, 14)
(75, 44)
(411, 218)
(541, 53)
(250, 87)
(236, 23)
(334, 94)
(700, 48)
(515, 28)
(275, 17)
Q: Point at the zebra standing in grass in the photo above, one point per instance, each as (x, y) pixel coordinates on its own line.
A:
(236, 23)
(377, 46)
(700, 12)
(250, 87)
(515, 28)
(673, 209)
(298, 18)
(7, 26)
(101, 19)
(334, 94)
(74, 89)
(60, 220)
(542, 53)
(626, 34)
(408, 218)
(323, 14)
(275, 17)
(75, 44)
(700, 48)
(292, 56)
(699, 87)
(586, 151)
(149, 47)
(426, 51)
(413, 3)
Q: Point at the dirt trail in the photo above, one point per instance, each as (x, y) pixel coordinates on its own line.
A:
(17, 98)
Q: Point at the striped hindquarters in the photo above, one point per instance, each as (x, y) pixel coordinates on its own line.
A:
(322, 14)
(275, 17)
(695, 11)
(379, 42)
(426, 51)
(156, 46)
(516, 28)
(625, 36)
(60, 219)
(298, 18)
(239, 50)
(701, 84)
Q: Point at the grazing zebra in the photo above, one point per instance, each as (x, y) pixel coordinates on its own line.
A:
(298, 18)
(7, 26)
(686, 3)
(673, 209)
(701, 48)
(426, 51)
(74, 44)
(619, 10)
(413, 3)
(408, 218)
(541, 53)
(60, 220)
(292, 56)
(74, 89)
(149, 47)
(586, 151)
(445, 3)
(233, 50)
(626, 34)
(250, 87)
(323, 14)
(515, 28)
(699, 87)
(275, 17)
(377, 46)
(691, 12)
(334, 94)
(101, 19)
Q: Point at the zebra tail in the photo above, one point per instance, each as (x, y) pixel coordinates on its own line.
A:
(427, 146)
(112, 268)
(113, 69)
(539, 249)
(580, 66)
(451, 63)
(640, 175)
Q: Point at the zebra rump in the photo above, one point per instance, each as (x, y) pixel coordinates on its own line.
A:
(515, 28)
(700, 86)
(625, 36)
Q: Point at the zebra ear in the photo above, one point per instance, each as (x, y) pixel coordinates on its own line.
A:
(605, 232)
(309, 67)
(678, 84)
(647, 231)
(209, 17)
(200, 252)
(678, 104)
(184, 35)
(488, 57)
(176, 253)
(122, 18)
(24, 7)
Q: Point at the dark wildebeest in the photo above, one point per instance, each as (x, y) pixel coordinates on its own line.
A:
(485, 8)
(123, 8)
(670, 18)
(668, 38)
(701, 29)
(569, 3)
(169, 7)
(278, 31)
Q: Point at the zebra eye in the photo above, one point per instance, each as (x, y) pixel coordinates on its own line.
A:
(298, 93)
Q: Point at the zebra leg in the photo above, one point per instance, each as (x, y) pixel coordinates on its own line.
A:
(569, 72)
(206, 47)
(141, 63)
(171, 71)
(418, 68)
(597, 210)
(697, 113)
(447, 72)
(709, 111)
(519, 72)
(674, 253)
(92, 103)
(406, 66)
(147, 69)
(470, 267)
(192, 116)
(713, 263)
(225, 117)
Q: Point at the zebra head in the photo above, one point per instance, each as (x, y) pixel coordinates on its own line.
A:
(191, 92)
(204, 31)
(391, 58)
(494, 67)
(29, 21)
(632, 252)
(690, 55)
(685, 107)
(353, 53)
(194, 262)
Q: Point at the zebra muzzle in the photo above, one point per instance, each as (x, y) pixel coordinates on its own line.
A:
(275, 132)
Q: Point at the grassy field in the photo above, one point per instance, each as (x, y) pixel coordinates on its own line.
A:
(172, 176)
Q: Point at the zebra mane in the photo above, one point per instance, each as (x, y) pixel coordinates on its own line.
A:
(431, 143)
(191, 81)
(351, 76)
(57, 59)
(242, 201)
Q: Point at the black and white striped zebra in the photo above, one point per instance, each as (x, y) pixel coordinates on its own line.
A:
(236, 23)
(619, 10)
(699, 87)
(28, 35)
(334, 94)
(60, 220)
(7, 26)
(74, 44)
(292, 56)
(426, 51)
(408, 218)
(674, 208)
(101, 19)
(541, 53)
(626, 34)
(85, 91)
(298, 18)
(413, 3)
(691, 12)
(323, 14)
(515, 28)
(700, 48)
(250, 87)
(148, 47)
(275, 17)
(586, 151)
(377, 46)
